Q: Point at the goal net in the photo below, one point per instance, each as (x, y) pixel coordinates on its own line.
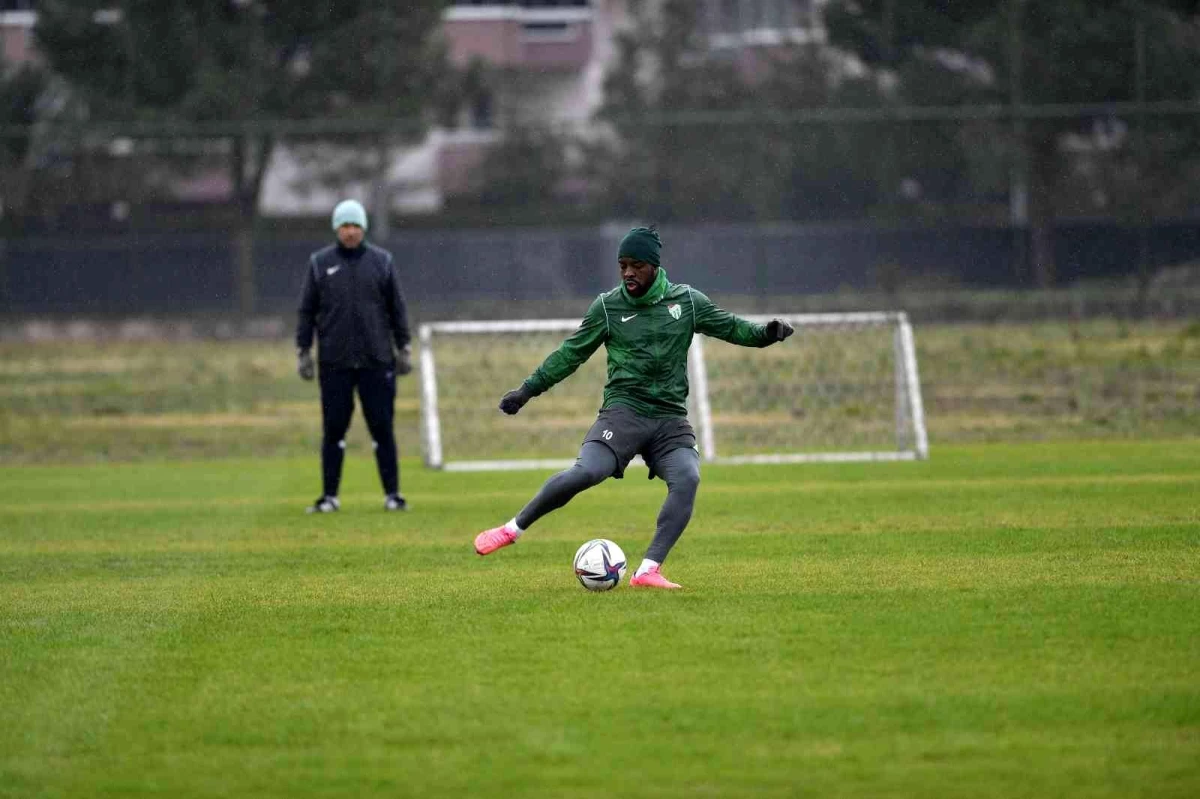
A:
(845, 387)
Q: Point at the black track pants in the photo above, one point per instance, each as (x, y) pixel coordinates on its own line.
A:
(377, 392)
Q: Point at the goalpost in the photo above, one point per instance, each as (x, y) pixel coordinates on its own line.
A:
(845, 387)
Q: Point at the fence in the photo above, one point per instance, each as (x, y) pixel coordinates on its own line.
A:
(452, 270)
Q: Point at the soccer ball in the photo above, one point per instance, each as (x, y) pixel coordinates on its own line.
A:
(599, 565)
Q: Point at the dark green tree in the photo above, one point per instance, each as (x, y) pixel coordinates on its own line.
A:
(814, 167)
(20, 91)
(235, 68)
(526, 174)
(1062, 54)
(672, 156)
(525, 169)
(697, 135)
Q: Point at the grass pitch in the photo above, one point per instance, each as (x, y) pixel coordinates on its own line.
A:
(1003, 620)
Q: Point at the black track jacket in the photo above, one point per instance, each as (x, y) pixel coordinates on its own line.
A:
(352, 300)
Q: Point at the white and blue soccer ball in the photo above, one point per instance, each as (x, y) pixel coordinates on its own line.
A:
(599, 565)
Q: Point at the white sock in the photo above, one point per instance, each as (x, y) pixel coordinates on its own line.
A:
(513, 527)
(646, 566)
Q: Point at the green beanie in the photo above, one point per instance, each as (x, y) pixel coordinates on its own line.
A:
(349, 212)
(641, 243)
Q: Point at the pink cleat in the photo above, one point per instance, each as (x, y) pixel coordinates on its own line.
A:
(652, 579)
(489, 541)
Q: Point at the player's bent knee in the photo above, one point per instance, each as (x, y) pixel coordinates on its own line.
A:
(689, 482)
(683, 474)
(592, 474)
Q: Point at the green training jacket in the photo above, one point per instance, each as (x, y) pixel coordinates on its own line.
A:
(647, 339)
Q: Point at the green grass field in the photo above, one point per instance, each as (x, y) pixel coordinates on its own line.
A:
(1003, 620)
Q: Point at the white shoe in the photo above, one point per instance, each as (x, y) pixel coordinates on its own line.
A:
(324, 504)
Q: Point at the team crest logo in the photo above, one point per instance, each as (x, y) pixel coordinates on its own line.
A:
(675, 310)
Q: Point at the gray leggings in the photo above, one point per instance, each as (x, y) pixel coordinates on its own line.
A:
(679, 468)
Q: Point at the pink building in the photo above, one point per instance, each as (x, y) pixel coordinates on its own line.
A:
(16, 32)
(524, 36)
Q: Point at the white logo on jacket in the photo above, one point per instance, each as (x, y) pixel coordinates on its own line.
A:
(627, 318)
(675, 310)
(333, 270)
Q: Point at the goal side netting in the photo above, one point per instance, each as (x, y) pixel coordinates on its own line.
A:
(845, 387)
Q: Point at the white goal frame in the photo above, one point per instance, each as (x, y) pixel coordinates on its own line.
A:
(909, 405)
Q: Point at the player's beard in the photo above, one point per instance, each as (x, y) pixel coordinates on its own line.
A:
(640, 288)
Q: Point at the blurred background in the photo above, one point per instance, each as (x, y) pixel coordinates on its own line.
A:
(1020, 176)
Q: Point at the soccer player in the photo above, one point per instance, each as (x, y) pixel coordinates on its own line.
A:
(646, 323)
(351, 298)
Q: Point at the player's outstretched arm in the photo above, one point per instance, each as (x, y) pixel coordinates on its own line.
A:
(515, 400)
(563, 362)
(714, 321)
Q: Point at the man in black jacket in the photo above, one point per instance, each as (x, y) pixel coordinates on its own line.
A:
(351, 298)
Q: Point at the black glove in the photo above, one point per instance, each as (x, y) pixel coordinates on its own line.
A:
(404, 360)
(304, 364)
(778, 330)
(515, 400)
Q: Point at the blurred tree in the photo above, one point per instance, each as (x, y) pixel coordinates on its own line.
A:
(525, 166)
(660, 166)
(20, 91)
(237, 67)
(698, 135)
(1021, 53)
(525, 169)
(815, 170)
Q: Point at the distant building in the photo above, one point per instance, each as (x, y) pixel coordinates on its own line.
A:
(545, 60)
(16, 32)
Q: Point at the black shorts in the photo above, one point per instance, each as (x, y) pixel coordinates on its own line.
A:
(628, 434)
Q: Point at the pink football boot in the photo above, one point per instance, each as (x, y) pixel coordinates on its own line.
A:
(652, 579)
(489, 541)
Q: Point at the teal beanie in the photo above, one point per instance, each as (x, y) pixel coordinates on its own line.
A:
(349, 212)
(641, 243)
